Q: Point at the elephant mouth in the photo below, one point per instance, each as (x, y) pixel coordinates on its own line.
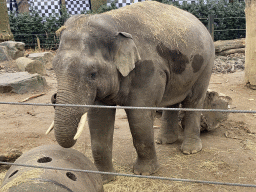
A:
(80, 127)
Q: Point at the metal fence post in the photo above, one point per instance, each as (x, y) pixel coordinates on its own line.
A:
(211, 25)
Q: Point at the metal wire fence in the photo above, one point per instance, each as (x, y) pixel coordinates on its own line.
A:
(217, 29)
(132, 175)
(49, 40)
(131, 107)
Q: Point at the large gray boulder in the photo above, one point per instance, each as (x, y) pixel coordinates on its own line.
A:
(31, 66)
(14, 49)
(21, 82)
(44, 57)
(4, 56)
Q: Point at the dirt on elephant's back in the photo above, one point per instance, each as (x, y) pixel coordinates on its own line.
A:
(158, 19)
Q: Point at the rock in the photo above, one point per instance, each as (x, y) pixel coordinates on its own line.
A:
(4, 56)
(44, 57)
(8, 67)
(21, 82)
(31, 66)
(213, 100)
(14, 49)
(229, 64)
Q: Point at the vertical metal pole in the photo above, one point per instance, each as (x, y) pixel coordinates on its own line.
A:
(10, 5)
(211, 25)
(16, 6)
(90, 5)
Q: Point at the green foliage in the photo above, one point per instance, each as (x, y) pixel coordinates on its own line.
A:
(224, 13)
(27, 27)
(103, 8)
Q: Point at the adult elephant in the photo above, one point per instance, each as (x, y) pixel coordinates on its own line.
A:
(145, 55)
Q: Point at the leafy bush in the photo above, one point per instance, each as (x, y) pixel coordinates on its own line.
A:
(225, 16)
(28, 27)
(103, 8)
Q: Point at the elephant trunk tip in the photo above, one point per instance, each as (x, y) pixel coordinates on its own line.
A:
(65, 145)
(68, 143)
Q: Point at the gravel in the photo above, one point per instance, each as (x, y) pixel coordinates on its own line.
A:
(229, 64)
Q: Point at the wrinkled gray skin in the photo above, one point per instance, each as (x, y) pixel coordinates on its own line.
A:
(117, 58)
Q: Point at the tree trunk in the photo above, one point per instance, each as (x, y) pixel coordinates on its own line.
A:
(231, 51)
(250, 50)
(23, 6)
(229, 44)
(63, 2)
(96, 4)
(5, 31)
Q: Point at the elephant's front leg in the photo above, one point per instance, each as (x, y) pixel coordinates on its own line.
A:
(141, 125)
(101, 124)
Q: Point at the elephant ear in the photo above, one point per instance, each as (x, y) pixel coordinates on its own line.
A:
(127, 54)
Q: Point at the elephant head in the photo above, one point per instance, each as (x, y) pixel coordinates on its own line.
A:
(91, 60)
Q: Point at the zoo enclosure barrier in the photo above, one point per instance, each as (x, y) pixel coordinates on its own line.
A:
(211, 24)
(131, 175)
(43, 37)
(44, 28)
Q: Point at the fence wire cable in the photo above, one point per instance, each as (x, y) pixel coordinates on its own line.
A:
(131, 175)
(131, 107)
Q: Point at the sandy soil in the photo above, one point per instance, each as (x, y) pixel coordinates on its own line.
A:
(228, 153)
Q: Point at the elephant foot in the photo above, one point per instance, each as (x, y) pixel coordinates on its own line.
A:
(108, 178)
(145, 167)
(191, 145)
(166, 138)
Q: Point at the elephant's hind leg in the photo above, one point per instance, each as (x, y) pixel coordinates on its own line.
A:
(170, 129)
(191, 121)
(192, 142)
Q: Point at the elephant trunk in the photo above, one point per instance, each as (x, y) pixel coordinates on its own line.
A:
(65, 126)
(66, 123)
(67, 119)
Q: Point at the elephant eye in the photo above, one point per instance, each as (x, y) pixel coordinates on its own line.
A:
(93, 75)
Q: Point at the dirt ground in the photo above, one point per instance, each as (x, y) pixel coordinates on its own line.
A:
(228, 153)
